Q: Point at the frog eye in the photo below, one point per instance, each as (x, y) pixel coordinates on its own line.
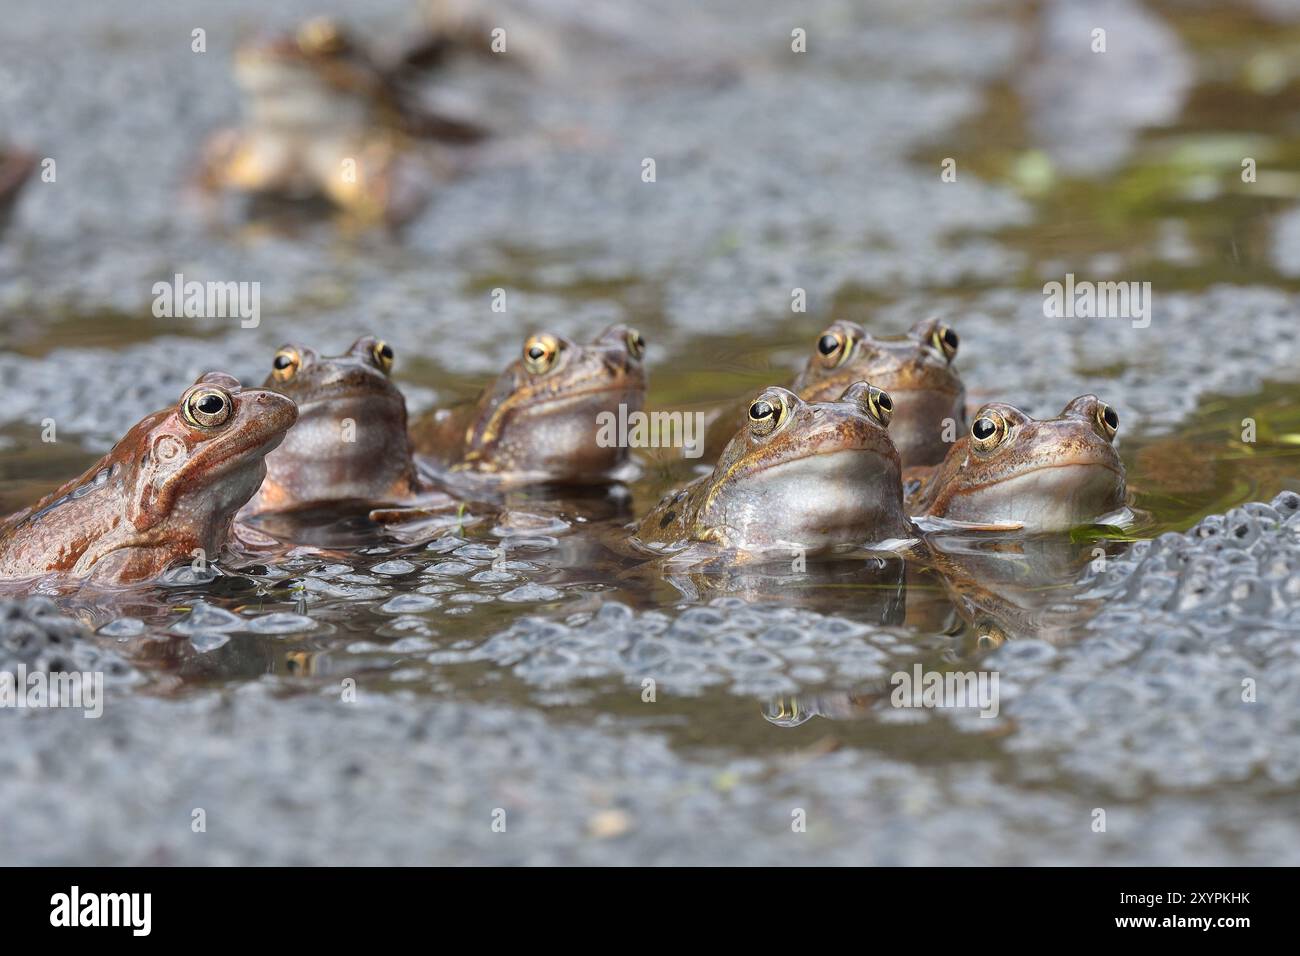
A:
(285, 364)
(206, 407)
(1108, 419)
(988, 430)
(381, 353)
(541, 353)
(945, 341)
(766, 415)
(874, 401)
(834, 347)
(635, 343)
(881, 405)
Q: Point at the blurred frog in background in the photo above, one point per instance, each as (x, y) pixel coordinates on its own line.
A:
(15, 168)
(324, 119)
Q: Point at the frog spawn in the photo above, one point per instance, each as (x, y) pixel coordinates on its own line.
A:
(1172, 680)
(37, 636)
(1188, 620)
(728, 644)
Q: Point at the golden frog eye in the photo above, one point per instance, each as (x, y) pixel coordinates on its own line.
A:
(207, 407)
(285, 364)
(781, 710)
(834, 347)
(381, 353)
(541, 353)
(945, 340)
(881, 405)
(1108, 419)
(766, 415)
(635, 343)
(988, 430)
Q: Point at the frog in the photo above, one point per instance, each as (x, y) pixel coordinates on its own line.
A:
(325, 119)
(541, 420)
(1014, 471)
(168, 491)
(16, 167)
(804, 476)
(350, 442)
(452, 30)
(916, 370)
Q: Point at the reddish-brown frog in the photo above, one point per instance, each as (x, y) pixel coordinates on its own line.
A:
(541, 420)
(167, 492)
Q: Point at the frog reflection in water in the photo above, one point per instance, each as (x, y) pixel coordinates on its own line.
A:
(916, 370)
(350, 442)
(166, 492)
(1015, 471)
(322, 118)
(804, 475)
(991, 589)
(540, 421)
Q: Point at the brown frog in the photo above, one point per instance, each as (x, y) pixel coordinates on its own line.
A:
(916, 370)
(15, 167)
(541, 420)
(167, 492)
(323, 118)
(1012, 470)
(799, 475)
(350, 441)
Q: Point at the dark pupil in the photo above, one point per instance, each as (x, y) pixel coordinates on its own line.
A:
(1111, 418)
(885, 402)
(386, 352)
(536, 352)
(760, 410)
(211, 404)
(983, 428)
(827, 344)
(950, 338)
(282, 361)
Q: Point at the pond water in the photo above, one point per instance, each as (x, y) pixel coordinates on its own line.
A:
(501, 660)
